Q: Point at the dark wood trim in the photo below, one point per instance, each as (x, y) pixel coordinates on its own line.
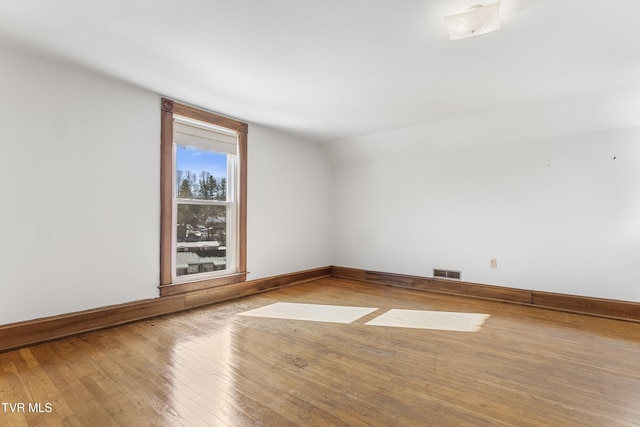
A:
(209, 117)
(348, 273)
(627, 310)
(166, 190)
(451, 286)
(196, 299)
(168, 109)
(241, 251)
(22, 334)
(623, 310)
(181, 288)
(448, 286)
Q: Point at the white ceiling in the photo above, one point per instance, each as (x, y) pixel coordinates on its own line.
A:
(328, 69)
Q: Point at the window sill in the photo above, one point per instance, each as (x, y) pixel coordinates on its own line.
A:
(180, 288)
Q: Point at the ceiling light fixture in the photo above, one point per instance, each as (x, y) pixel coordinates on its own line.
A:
(474, 21)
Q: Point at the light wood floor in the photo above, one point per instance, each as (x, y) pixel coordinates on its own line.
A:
(209, 367)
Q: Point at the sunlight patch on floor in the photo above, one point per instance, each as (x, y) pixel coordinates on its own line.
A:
(424, 319)
(310, 312)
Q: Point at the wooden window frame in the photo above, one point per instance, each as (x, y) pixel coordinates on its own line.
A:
(167, 287)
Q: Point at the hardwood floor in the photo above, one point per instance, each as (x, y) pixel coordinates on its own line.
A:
(208, 367)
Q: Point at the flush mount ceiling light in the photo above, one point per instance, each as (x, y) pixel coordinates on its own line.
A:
(474, 21)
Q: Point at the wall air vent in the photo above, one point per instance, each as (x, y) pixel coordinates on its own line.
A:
(447, 274)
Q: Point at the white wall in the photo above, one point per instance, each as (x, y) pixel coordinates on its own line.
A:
(79, 177)
(289, 204)
(557, 212)
(537, 188)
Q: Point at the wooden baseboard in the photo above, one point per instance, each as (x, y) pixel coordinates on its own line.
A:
(22, 334)
(622, 310)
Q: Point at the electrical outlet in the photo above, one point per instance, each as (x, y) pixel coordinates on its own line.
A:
(493, 263)
(269, 258)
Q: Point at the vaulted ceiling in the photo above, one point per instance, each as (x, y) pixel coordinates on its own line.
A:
(329, 69)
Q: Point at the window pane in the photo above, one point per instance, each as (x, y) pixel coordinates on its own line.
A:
(201, 239)
(200, 174)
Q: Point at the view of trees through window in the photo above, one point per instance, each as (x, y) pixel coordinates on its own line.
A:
(201, 185)
(202, 211)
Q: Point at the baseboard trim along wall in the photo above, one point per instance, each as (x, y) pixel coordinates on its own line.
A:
(22, 334)
(622, 310)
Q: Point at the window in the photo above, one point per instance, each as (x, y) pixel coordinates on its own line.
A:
(203, 198)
